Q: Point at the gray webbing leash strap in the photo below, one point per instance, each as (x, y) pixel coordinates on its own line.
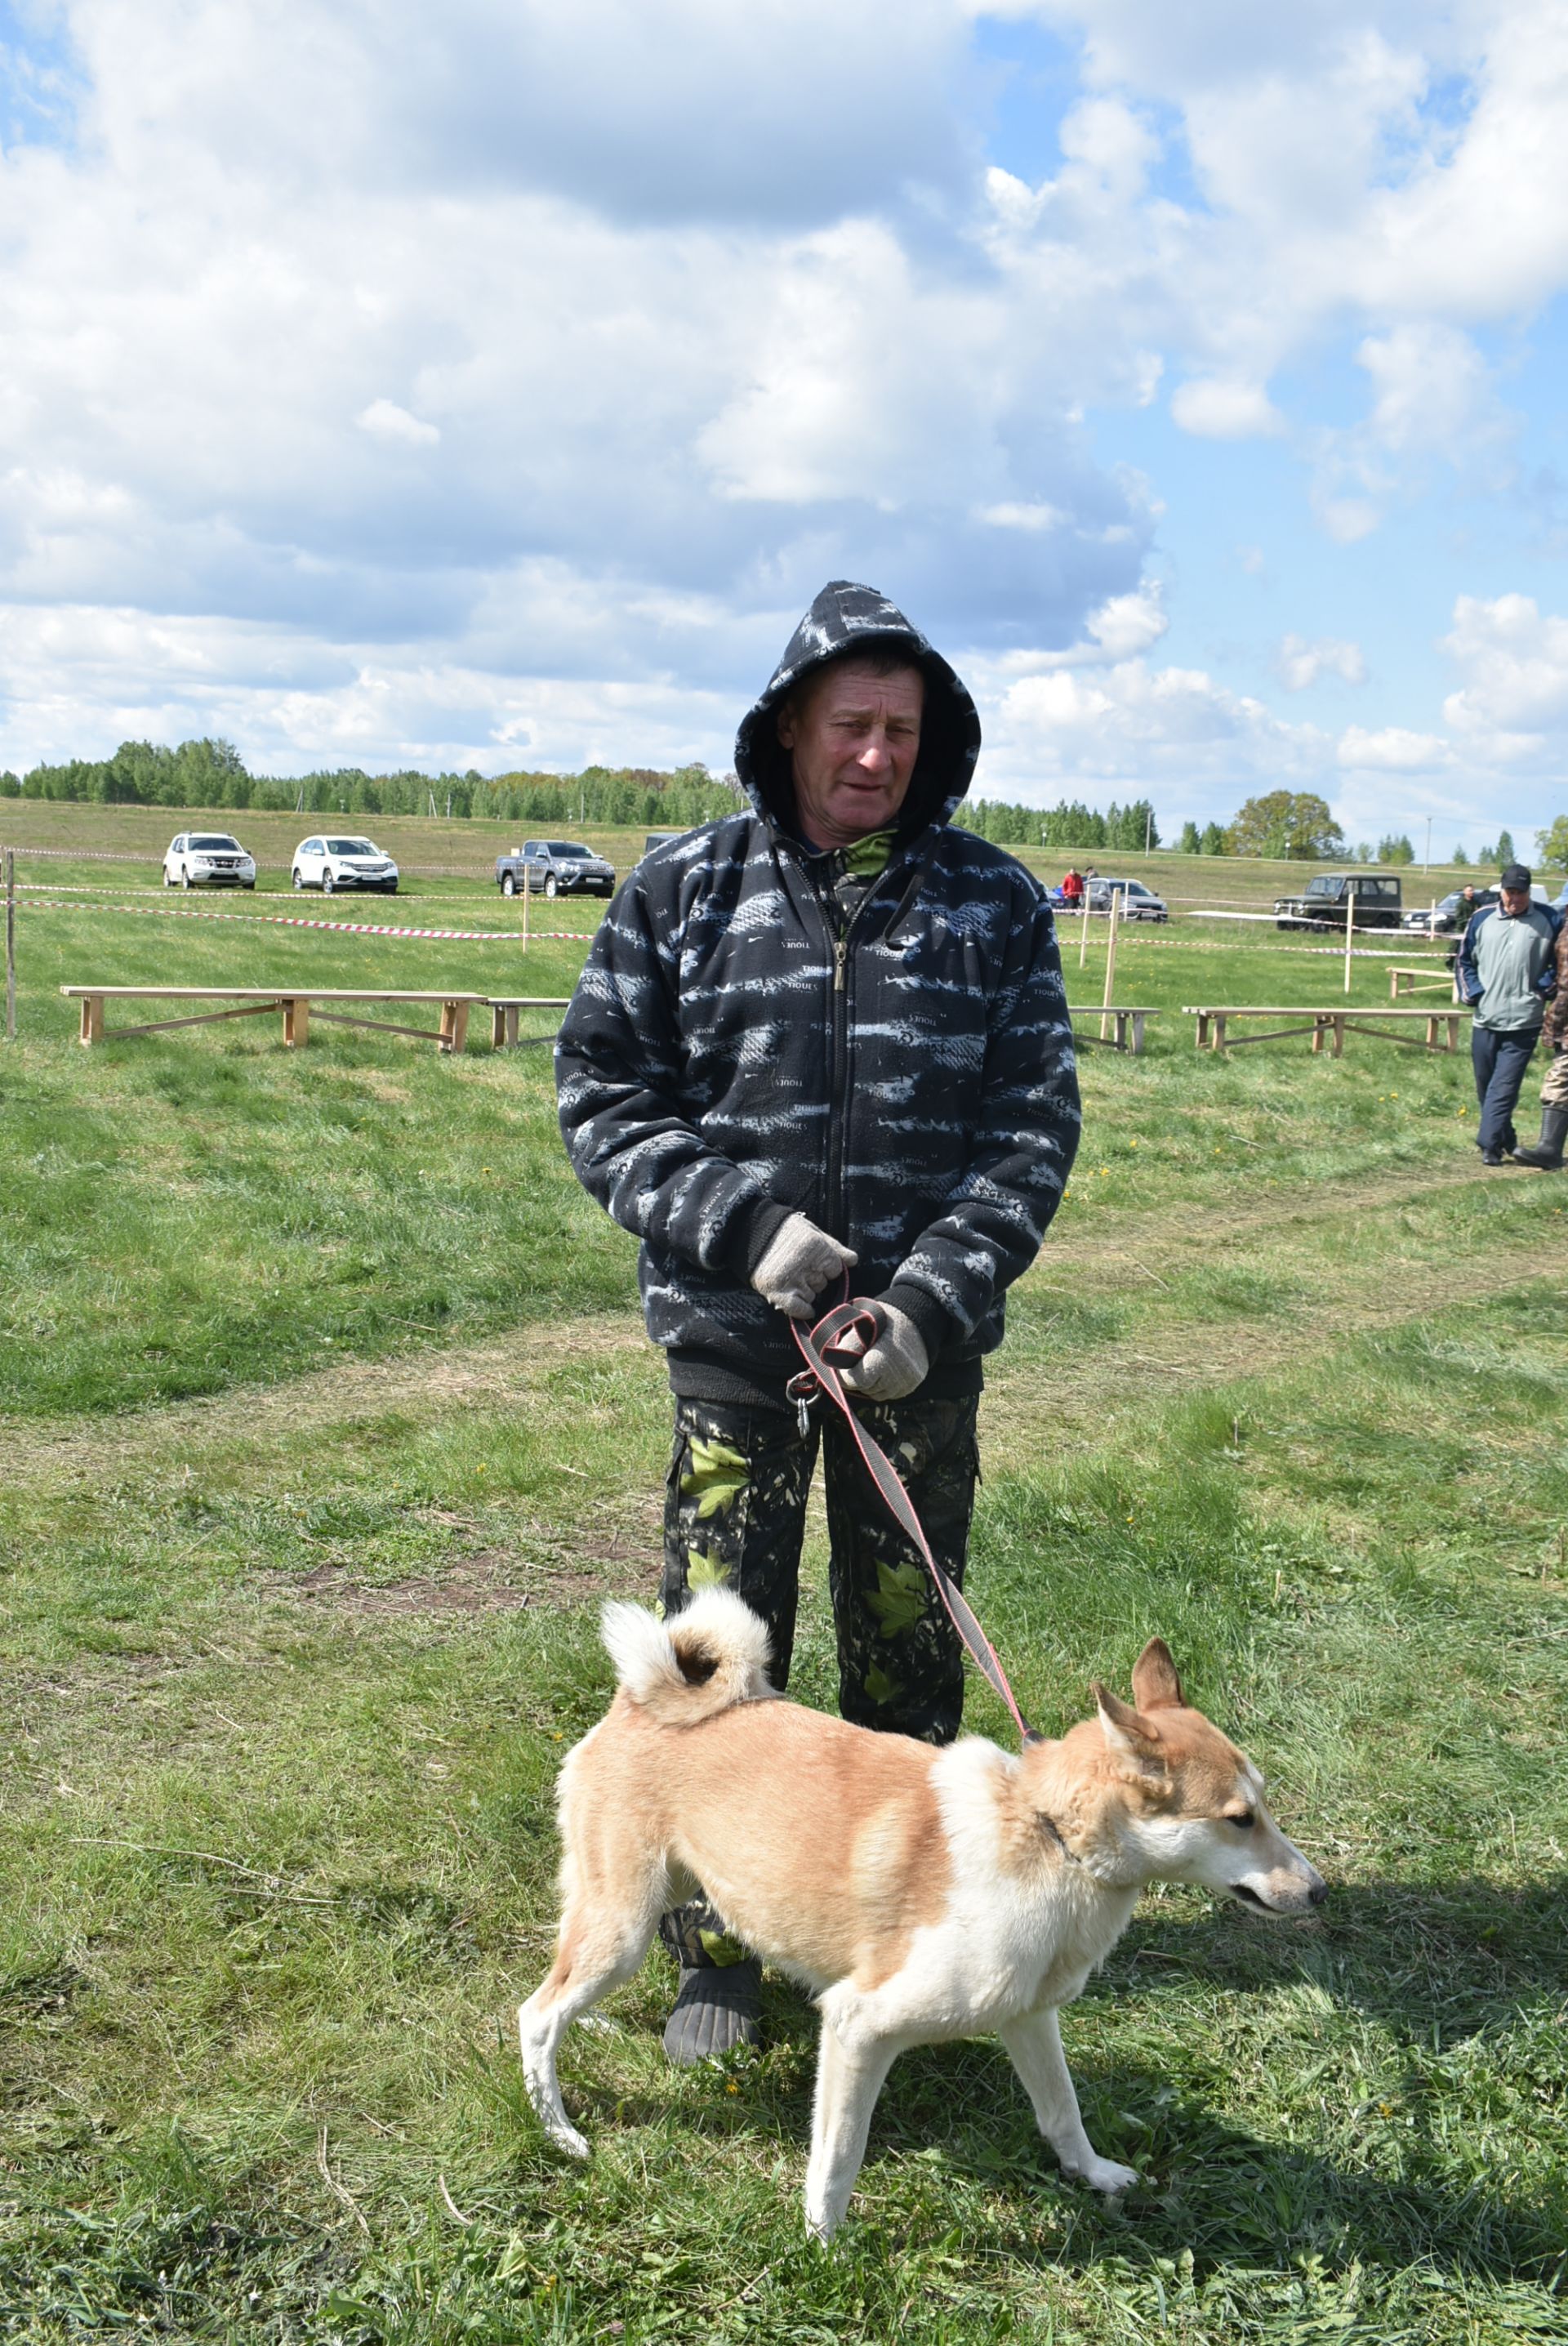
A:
(817, 1348)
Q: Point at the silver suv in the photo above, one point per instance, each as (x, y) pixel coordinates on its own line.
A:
(1138, 902)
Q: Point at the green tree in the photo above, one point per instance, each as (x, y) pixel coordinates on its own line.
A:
(1504, 849)
(1191, 840)
(1461, 857)
(1395, 848)
(1293, 823)
(1214, 842)
(1551, 846)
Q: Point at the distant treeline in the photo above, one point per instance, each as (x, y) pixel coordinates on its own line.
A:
(1127, 828)
(213, 774)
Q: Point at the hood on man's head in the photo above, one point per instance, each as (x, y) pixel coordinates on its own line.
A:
(845, 619)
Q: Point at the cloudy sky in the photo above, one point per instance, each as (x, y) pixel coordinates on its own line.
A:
(493, 384)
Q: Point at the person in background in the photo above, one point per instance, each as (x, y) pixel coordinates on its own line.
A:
(1547, 1153)
(1507, 973)
(1072, 889)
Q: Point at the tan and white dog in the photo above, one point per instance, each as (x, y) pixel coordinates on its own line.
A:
(918, 1894)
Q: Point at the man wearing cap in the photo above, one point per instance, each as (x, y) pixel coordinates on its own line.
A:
(822, 1047)
(1506, 971)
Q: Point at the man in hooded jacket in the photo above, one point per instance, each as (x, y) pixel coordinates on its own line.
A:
(823, 1037)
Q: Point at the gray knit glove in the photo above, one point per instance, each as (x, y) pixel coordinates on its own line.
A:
(798, 1262)
(895, 1364)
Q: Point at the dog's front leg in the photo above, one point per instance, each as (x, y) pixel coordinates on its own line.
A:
(1034, 2043)
(849, 2079)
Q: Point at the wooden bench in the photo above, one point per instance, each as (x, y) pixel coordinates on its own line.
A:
(1333, 1024)
(1124, 1015)
(503, 1017)
(296, 1003)
(1415, 977)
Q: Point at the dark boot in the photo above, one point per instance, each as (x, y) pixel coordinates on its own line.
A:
(719, 2002)
(1547, 1153)
(720, 2006)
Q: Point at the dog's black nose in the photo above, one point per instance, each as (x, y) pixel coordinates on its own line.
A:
(1319, 1891)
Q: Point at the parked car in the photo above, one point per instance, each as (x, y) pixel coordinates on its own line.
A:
(1322, 902)
(208, 859)
(1139, 903)
(558, 867)
(337, 859)
(1450, 915)
(660, 838)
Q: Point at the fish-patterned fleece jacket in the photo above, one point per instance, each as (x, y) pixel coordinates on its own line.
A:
(762, 1028)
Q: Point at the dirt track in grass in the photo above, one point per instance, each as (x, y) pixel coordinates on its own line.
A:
(1144, 1254)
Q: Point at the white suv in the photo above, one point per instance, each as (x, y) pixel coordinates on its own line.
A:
(208, 859)
(337, 859)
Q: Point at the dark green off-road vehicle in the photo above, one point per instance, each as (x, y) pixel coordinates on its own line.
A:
(1322, 902)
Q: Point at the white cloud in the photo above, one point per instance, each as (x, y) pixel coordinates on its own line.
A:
(383, 419)
(1392, 749)
(1215, 410)
(1173, 733)
(1301, 662)
(1514, 659)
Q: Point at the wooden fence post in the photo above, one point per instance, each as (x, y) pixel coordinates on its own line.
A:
(1349, 926)
(10, 945)
(1111, 958)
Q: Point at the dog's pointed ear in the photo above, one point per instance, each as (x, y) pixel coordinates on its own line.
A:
(1157, 1686)
(1127, 1735)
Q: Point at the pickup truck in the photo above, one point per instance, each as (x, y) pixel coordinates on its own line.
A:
(554, 867)
(1322, 902)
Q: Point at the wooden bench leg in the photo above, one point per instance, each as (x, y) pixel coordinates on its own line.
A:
(1202, 1042)
(453, 1027)
(1338, 1038)
(92, 1018)
(513, 1021)
(1138, 1022)
(295, 1021)
(1121, 1030)
(497, 1026)
(1394, 987)
(1431, 1034)
(1318, 1026)
(1219, 1033)
(1453, 1033)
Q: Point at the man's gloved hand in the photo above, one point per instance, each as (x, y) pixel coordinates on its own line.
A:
(798, 1262)
(895, 1364)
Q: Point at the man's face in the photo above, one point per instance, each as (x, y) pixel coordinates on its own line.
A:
(1515, 901)
(853, 739)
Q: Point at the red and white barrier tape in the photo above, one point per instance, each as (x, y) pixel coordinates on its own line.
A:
(296, 920)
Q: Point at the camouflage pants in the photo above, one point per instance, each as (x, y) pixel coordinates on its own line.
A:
(734, 1514)
(1555, 1090)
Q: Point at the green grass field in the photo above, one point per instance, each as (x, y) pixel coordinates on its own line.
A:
(327, 1421)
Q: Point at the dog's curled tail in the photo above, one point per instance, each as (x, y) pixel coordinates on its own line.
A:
(710, 1656)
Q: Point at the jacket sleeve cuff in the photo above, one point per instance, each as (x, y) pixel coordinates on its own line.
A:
(756, 1232)
(936, 1325)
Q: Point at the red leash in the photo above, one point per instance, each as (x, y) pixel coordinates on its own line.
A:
(820, 1375)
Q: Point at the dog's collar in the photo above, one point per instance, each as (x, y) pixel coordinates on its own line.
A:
(1033, 1736)
(1049, 1825)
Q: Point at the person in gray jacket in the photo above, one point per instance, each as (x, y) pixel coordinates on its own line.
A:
(1507, 971)
(821, 1046)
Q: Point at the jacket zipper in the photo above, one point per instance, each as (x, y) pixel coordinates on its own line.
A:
(838, 1109)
